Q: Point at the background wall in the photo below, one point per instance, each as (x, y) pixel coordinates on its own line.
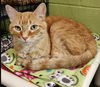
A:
(84, 11)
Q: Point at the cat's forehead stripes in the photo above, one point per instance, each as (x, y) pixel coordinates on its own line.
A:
(25, 18)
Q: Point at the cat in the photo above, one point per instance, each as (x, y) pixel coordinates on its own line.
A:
(49, 42)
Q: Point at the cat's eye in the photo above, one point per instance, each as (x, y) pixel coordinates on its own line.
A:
(18, 28)
(33, 27)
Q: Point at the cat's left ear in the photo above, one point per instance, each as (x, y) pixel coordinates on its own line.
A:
(40, 11)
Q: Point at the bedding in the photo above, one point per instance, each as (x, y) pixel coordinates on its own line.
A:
(72, 77)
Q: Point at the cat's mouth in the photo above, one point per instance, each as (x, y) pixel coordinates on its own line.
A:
(25, 40)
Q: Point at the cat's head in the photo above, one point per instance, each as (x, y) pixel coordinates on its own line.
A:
(27, 26)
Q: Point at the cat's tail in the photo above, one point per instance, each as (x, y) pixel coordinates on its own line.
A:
(46, 63)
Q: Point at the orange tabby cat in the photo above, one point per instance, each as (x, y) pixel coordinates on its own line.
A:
(51, 42)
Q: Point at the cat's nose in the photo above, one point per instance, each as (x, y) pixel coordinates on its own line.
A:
(25, 38)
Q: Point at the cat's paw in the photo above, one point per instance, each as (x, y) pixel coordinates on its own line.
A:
(22, 62)
(39, 64)
(19, 61)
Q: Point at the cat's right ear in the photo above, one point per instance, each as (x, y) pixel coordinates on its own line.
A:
(11, 12)
(40, 11)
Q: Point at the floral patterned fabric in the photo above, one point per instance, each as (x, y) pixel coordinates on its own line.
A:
(73, 77)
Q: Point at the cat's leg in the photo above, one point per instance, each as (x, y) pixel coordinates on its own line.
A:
(22, 61)
(38, 64)
(75, 44)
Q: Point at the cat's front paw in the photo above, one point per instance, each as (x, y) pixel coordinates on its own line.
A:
(22, 62)
(19, 61)
(39, 64)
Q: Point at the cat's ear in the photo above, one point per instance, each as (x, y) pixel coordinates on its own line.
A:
(40, 11)
(11, 12)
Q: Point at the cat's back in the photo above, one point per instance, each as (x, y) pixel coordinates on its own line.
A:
(53, 19)
(66, 25)
(67, 29)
